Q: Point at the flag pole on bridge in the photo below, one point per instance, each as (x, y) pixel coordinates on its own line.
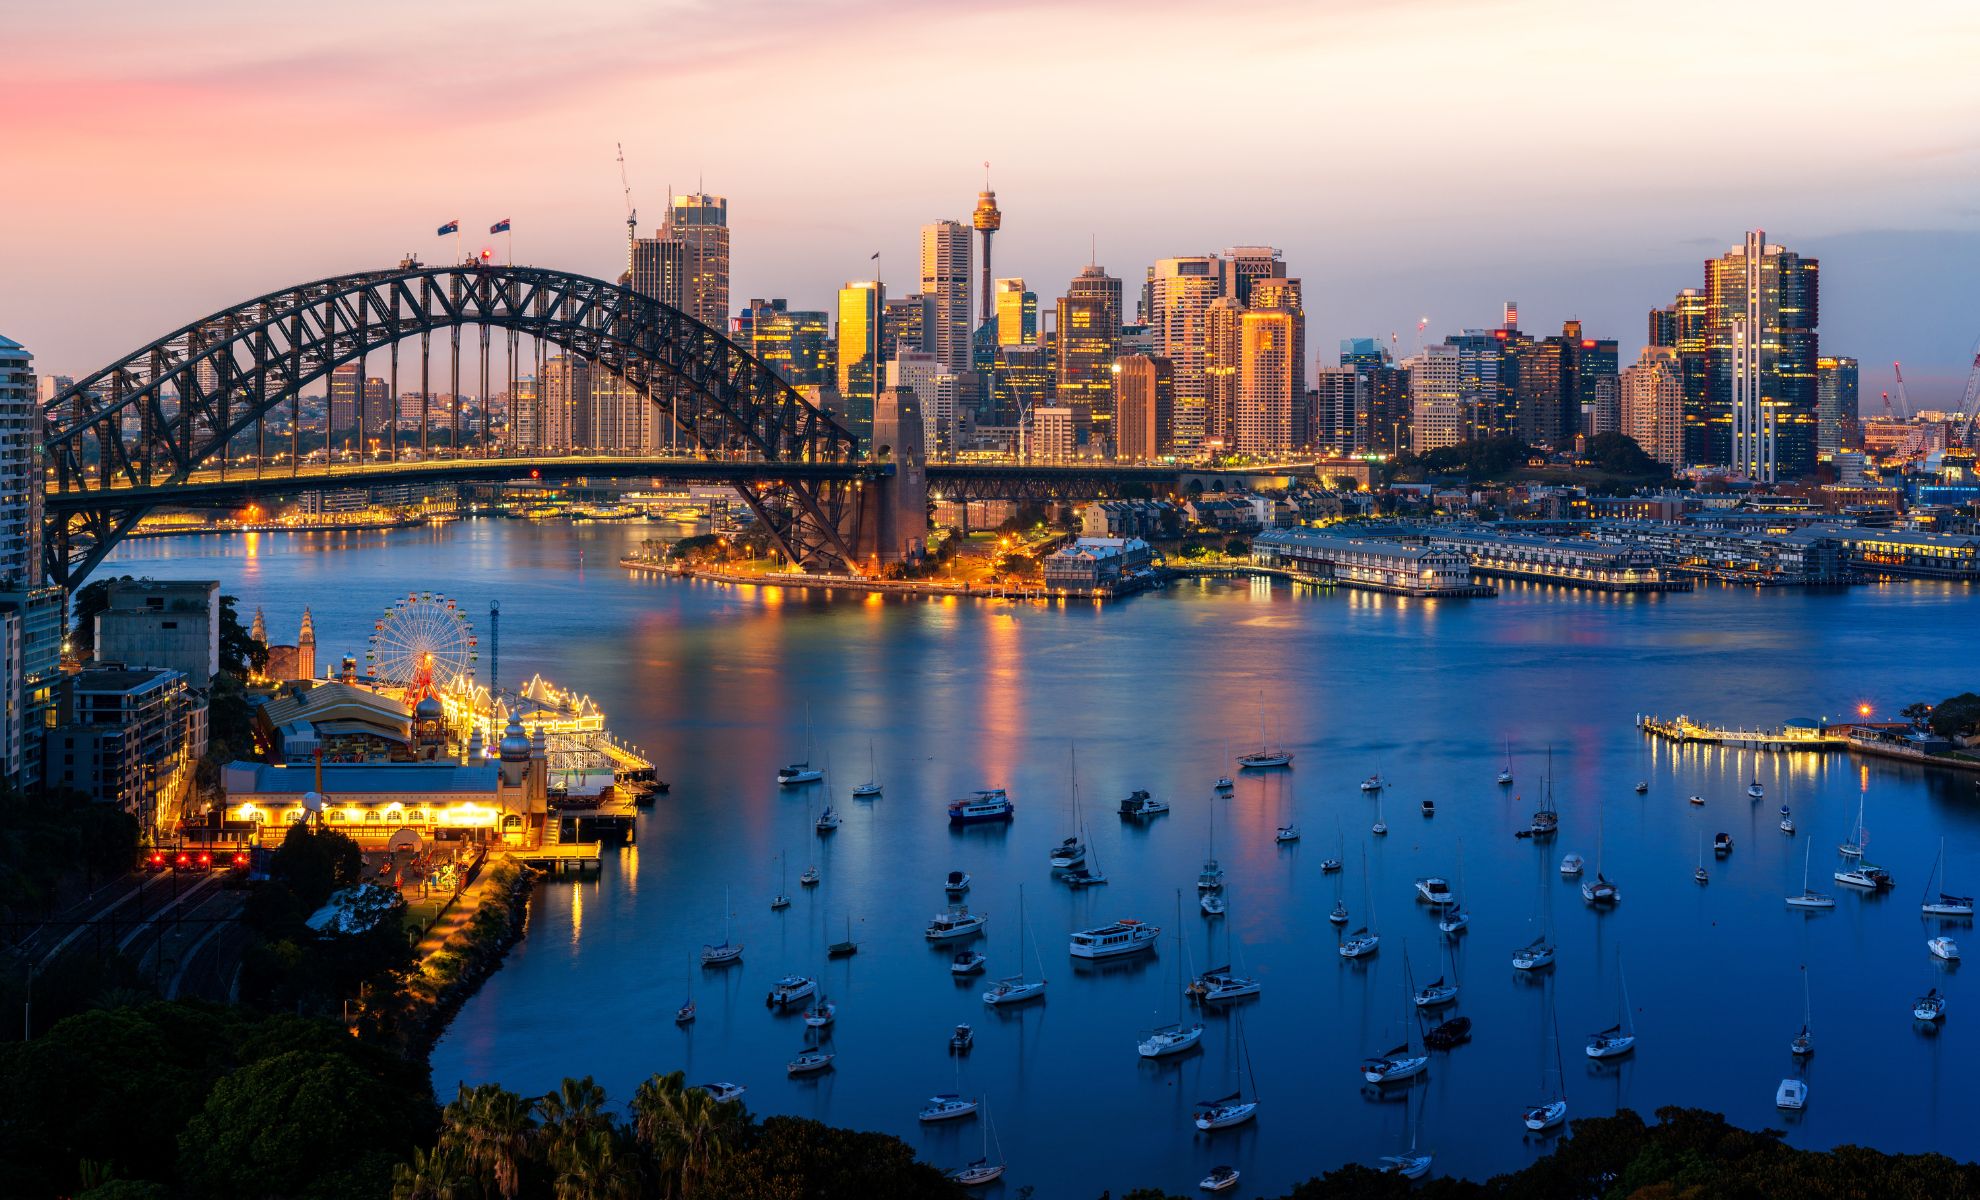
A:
(453, 227)
(509, 244)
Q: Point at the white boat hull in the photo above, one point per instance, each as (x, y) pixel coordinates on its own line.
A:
(946, 1112)
(1166, 1042)
(1612, 1047)
(1546, 1116)
(1791, 1096)
(1229, 1115)
(1014, 994)
(1398, 1070)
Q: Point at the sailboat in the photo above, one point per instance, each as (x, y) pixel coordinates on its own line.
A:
(1176, 1037)
(1374, 783)
(1381, 828)
(1437, 992)
(782, 899)
(1087, 872)
(1340, 914)
(983, 1171)
(1943, 904)
(847, 948)
(1410, 1164)
(1219, 984)
(684, 1015)
(828, 821)
(1361, 942)
(1400, 1063)
(1549, 1113)
(1755, 790)
(871, 788)
(1329, 866)
(1072, 851)
(801, 771)
(1506, 775)
(1853, 848)
(1599, 891)
(1546, 820)
(1211, 878)
(1289, 832)
(1267, 755)
(1803, 1044)
(1700, 873)
(821, 1014)
(1929, 1007)
(1020, 987)
(1233, 1109)
(1808, 897)
(1454, 918)
(1224, 783)
(1539, 952)
(730, 950)
(1620, 1038)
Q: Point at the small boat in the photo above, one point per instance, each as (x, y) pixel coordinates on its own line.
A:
(721, 1092)
(1697, 800)
(962, 1040)
(1069, 853)
(1454, 1032)
(1084, 877)
(871, 788)
(1211, 903)
(1260, 760)
(1791, 1096)
(1018, 988)
(828, 820)
(1858, 836)
(782, 900)
(1803, 1044)
(1552, 1111)
(1126, 936)
(1429, 808)
(730, 950)
(1929, 1007)
(1219, 984)
(957, 883)
(1436, 890)
(809, 1062)
(1546, 820)
(1225, 784)
(684, 1015)
(1787, 821)
(1329, 865)
(1943, 947)
(1808, 897)
(1220, 1179)
(985, 804)
(810, 877)
(1866, 876)
(1620, 1038)
(1394, 1066)
(1175, 1037)
(1233, 1109)
(1340, 914)
(1141, 804)
(946, 1107)
(846, 948)
(1722, 845)
(969, 962)
(1286, 833)
(1360, 944)
(1600, 891)
(1436, 994)
(1542, 1117)
(956, 922)
(1505, 774)
(786, 992)
(1374, 783)
(1211, 877)
(1572, 866)
(1381, 827)
(1454, 920)
(1755, 790)
(1944, 904)
(1534, 955)
(797, 773)
(1642, 786)
(821, 1014)
(1409, 1166)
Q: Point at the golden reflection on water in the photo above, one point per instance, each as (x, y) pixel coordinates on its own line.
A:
(577, 910)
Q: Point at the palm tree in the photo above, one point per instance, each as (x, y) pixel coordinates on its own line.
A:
(684, 1131)
(593, 1166)
(489, 1127)
(435, 1174)
(572, 1113)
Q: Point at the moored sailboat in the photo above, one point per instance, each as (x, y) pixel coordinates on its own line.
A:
(1943, 904)
(1175, 1037)
(1236, 1108)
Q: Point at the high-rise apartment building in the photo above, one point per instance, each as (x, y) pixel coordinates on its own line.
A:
(1277, 293)
(656, 267)
(1836, 403)
(1381, 416)
(861, 304)
(1762, 310)
(935, 392)
(906, 324)
(31, 611)
(1653, 404)
(1439, 413)
(565, 405)
(1087, 332)
(1682, 326)
(1144, 408)
(700, 224)
(1016, 314)
(1268, 382)
(345, 388)
(1180, 292)
(620, 418)
(1223, 362)
(945, 279)
(1049, 434)
(795, 343)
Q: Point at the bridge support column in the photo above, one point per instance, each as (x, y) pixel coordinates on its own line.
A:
(893, 520)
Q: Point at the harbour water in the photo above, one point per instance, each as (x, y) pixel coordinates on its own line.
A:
(718, 684)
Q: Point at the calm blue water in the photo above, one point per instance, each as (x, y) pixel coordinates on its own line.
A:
(716, 683)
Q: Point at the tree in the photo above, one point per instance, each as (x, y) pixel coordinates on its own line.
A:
(790, 1156)
(685, 1132)
(241, 655)
(436, 1174)
(1957, 716)
(491, 1130)
(1917, 712)
(90, 600)
(1619, 454)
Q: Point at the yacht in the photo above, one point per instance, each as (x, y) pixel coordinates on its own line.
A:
(1505, 773)
(797, 773)
(1286, 833)
(1409, 1166)
(985, 804)
(1112, 941)
(846, 948)
(1395, 1066)
(1175, 1037)
(957, 922)
(1141, 804)
(1929, 1007)
(1374, 783)
(1211, 877)
(1699, 872)
(1429, 808)
(1943, 904)
(1220, 1179)
(828, 820)
(1551, 1112)
(1808, 897)
(1016, 989)
(967, 962)
(1755, 791)
(1069, 853)
(1084, 877)
(1329, 865)
(1340, 914)
(1696, 799)
(957, 883)
(1211, 903)
(946, 1107)
(1853, 848)
(982, 1170)
(1787, 820)
(1620, 1038)
(821, 1014)
(684, 1015)
(1943, 947)
(730, 950)
(1600, 891)
(1803, 1044)
(1542, 1117)
(1225, 784)
(1450, 1035)
(1436, 994)
(1865, 875)
(1546, 819)
(1218, 984)
(1534, 955)
(1453, 920)
(1231, 1110)
(1791, 1096)
(1259, 760)
(721, 1092)
(810, 877)
(1722, 845)
(1360, 944)
(871, 788)
(786, 992)
(1642, 786)
(962, 1040)
(782, 900)
(1571, 866)
(1436, 890)
(808, 1062)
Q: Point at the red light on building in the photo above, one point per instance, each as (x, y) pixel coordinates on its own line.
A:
(1500, 334)
(1587, 344)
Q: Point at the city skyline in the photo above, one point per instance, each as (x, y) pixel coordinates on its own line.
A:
(1871, 183)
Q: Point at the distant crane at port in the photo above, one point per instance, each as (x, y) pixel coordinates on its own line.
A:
(1904, 398)
(1969, 404)
(632, 214)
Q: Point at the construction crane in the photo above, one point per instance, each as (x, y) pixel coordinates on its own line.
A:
(1969, 405)
(1904, 398)
(632, 214)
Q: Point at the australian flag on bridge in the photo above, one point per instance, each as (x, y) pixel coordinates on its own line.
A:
(450, 227)
(501, 226)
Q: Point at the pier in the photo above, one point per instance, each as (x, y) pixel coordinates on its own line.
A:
(1791, 736)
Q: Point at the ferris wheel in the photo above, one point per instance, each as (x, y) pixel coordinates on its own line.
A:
(423, 643)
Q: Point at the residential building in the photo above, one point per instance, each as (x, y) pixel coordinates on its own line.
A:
(1180, 292)
(1268, 382)
(1684, 326)
(1223, 361)
(349, 386)
(1382, 405)
(126, 736)
(1653, 404)
(1144, 408)
(945, 279)
(1050, 434)
(699, 223)
(1277, 293)
(861, 304)
(171, 623)
(1438, 412)
(621, 418)
(1836, 404)
(32, 613)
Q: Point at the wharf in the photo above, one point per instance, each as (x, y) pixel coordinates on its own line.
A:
(1792, 736)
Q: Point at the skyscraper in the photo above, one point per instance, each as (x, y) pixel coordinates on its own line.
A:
(1277, 293)
(700, 224)
(1836, 411)
(1682, 326)
(987, 220)
(1438, 412)
(1088, 332)
(1180, 291)
(945, 278)
(657, 267)
(1242, 266)
(861, 304)
(1762, 309)
(1144, 406)
(1267, 367)
(31, 612)
(618, 417)
(1016, 314)
(1093, 283)
(1370, 411)
(1223, 360)
(797, 344)
(1653, 404)
(565, 388)
(342, 433)
(907, 324)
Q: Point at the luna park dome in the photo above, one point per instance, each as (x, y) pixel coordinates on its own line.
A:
(514, 746)
(429, 709)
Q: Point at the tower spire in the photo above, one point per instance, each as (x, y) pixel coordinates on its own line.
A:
(987, 220)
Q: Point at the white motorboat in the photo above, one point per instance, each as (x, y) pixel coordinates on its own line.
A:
(829, 820)
(1620, 1038)
(1211, 877)
(1572, 865)
(1140, 804)
(1211, 903)
(821, 1014)
(1359, 944)
(1756, 791)
(957, 883)
(1016, 989)
(1436, 994)
(946, 1107)
(730, 950)
(1220, 1179)
(1791, 1096)
(985, 804)
(1865, 875)
(962, 1040)
(809, 1062)
(1374, 783)
(956, 922)
(968, 962)
(1943, 904)
(1943, 947)
(1808, 897)
(1436, 890)
(1069, 853)
(810, 877)
(788, 991)
(721, 1091)
(1286, 833)
(1219, 984)
(1534, 955)
(1165, 1040)
(1125, 936)
(1929, 1007)
(1340, 914)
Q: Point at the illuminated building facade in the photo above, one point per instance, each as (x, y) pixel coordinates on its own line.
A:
(797, 344)
(906, 325)
(945, 280)
(1267, 383)
(1762, 310)
(1682, 326)
(1223, 361)
(1653, 404)
(1049, 434)
(1836, 404)
(1016, 314)
(700, 224)
(345, 388)
(1438, 413)
(1178, 297)
(656, 267)
(1088, 331)
(1021, 382)
(1243, 266)
(1381, 418)
(1144, 408)
(857, 351)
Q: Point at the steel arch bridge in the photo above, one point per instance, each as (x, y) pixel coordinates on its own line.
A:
(160, 420)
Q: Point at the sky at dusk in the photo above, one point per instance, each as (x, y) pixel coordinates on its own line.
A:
(1412, 157)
